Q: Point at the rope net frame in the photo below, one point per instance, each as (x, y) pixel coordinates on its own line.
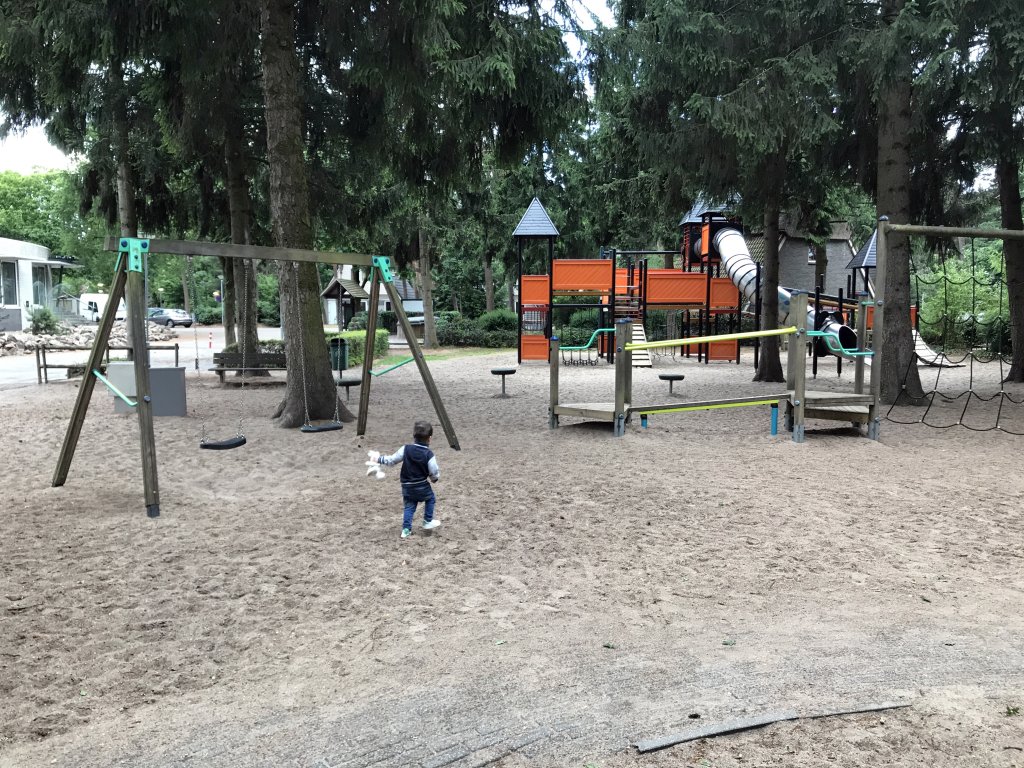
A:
(969, 387)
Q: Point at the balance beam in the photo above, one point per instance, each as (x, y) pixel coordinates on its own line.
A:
(709, 339)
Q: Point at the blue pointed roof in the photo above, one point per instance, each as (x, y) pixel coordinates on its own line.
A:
(865, 258)
(535, 222)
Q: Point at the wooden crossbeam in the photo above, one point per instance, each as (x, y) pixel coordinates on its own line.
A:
(235, 251)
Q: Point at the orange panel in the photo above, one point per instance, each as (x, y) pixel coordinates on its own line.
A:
(723, 293)
(535, 290)
(722, 350)
(673, 287)
(534, 347)
(913, 316)
(582, 274)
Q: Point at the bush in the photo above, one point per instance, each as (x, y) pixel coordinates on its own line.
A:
(585, 318)
(207, 315)
(502, 339)
(265, 345)
(460, 332)
(499, 320)
(43, 321)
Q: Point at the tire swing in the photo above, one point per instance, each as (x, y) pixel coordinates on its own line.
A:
(308, 426)
(239, 439)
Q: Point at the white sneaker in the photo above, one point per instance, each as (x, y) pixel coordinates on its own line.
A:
(431, 525)
(406, 533)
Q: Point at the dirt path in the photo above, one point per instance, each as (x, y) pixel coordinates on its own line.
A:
(583, 592)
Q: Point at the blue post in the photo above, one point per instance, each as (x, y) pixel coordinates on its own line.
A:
(775, 418)
(643, 420)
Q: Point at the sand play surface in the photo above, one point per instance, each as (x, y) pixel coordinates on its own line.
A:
(583, 593)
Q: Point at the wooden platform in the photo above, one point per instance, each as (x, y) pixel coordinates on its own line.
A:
(836, 406)
(596, 411)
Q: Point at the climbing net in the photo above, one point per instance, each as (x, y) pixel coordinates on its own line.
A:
(962, 334)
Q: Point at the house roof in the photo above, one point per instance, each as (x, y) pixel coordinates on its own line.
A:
(351, 287)
(535, 222)
(702, 206)
(865, 258)
(756, 246)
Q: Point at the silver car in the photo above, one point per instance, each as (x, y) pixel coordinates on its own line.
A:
(170, 317)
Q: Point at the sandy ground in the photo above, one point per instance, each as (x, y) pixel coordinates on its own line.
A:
(583, 593)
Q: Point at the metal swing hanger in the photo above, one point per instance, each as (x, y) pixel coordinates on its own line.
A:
(238, 440)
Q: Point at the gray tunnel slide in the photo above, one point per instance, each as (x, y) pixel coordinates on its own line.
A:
(742, 270)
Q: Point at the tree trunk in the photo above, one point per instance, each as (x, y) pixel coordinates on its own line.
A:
(311, 391)
(897, 361)
(242, 290)
(488, 280)
(1008, 179)
(427, 287)
(769, 366)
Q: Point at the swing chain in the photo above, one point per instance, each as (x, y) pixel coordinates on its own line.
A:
(302, 344)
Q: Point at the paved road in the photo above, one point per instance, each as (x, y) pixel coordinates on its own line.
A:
(20, 370)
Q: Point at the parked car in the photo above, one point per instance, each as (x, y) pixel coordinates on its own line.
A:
(170, 317)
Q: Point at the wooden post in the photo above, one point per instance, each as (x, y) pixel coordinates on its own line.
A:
(623, 335)
(799, 365)
(67, 451)
(881, 255)
(421, 363)
(553, 362)
(371, 341)
(136, 301)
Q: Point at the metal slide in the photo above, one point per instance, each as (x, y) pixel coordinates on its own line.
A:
(742, 270)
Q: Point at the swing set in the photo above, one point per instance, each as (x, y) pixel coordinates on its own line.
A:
(129, 283)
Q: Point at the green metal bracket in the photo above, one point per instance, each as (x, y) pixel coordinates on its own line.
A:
(383, 263)
(134, 247)
(592, 337)
(114, 389)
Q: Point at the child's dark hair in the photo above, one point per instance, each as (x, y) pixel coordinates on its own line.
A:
(421, 430)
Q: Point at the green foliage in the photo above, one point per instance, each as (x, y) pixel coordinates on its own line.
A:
(268, 304)
(43, 321)
(963, 303)
(459, 331)
(499, 320)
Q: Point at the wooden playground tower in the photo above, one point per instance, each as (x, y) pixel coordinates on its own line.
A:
(129, 283)
(623, 291)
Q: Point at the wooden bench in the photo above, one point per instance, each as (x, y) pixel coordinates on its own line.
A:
(503, 372)
(259, 361)
(671, 378)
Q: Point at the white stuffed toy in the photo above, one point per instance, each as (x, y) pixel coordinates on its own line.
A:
(373, 467)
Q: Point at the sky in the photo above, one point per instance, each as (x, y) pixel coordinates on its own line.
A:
(31, 152)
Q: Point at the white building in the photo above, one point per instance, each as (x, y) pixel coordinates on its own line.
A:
(28, 276)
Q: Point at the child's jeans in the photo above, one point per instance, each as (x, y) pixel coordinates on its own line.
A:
(414, 497)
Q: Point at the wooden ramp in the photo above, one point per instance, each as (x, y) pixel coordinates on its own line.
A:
(641, 357)
(595, 411)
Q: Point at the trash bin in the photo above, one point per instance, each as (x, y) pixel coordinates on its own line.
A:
(339, 354)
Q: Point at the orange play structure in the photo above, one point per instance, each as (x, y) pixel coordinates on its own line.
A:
(623, 292)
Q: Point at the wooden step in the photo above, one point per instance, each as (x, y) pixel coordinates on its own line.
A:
(641, 357)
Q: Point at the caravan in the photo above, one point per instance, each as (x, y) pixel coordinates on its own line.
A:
(91, 306)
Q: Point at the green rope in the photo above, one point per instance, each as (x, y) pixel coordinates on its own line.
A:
(391, 368)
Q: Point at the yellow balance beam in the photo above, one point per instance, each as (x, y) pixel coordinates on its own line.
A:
(707, 407)
(708, 339)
